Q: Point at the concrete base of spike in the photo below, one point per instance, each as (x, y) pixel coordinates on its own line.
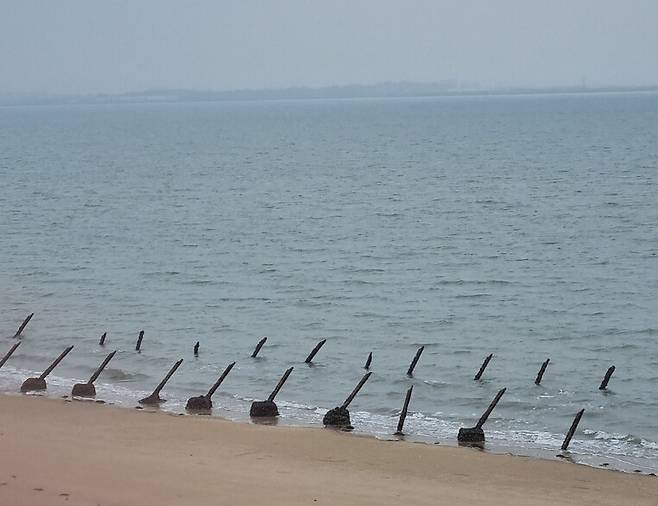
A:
(83, 390)
(200, 403)
(33, 385)
(338, 417)
(471, 435)
(264, 408)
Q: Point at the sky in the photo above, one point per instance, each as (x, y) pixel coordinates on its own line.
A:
(108, 46)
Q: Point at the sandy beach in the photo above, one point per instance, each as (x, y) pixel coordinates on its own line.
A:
(60, 452)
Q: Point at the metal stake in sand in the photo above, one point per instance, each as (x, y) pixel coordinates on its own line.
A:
(258, 347)
(196, 349)
(483, 367)
(403, 413)
(340, 416)
(139, 340)
(269, 407)
(88, 389)
(476, 434)
(313, 353)
(9, 353)
(102, 339)
(572, 430)
(608, 374)
(23, 325)
(412, 366)
(204, 402)
(154, 398)
(33, 384)
(541, 372)
(368, 361)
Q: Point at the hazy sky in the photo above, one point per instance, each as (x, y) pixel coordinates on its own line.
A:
(89, 46)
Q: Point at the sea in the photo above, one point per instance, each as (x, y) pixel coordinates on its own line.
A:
(520, 226)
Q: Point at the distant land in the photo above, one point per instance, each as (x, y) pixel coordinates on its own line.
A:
(383, 90)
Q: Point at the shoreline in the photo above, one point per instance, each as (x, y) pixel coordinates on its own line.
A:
(124, 456)
(60, 389)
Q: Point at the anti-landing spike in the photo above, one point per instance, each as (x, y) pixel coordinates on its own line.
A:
(138, 346)
(572, 430)
(314, 352)
(608, 375)
(23, 325)
(154, 398)
(476, 434)
(541, 372)
(34, 384)
(258, 347)
(412, 366)
(9, 353)
(403, 413)
(88, 389)
(483, 367)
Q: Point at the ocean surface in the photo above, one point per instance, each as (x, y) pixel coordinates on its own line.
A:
(523, 226)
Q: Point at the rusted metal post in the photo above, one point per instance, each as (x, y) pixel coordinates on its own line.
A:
(572, 430)
(412, 366)
(88, 389)
(56, 362)
(9, 353)
(309, 359)
(476, 434)
(483, 367)
(98, 371)
(154, 398)
(340, 416)
(269, 408)
(608, 374)
(403, 413)
(23, 325)
(204, 402)
(280, 384)
(139, 340)
(102, 339)
(258, 347)
(196, 349)
(491, 407)
(221, 379)
(368, 361)
(39, 383)
(351, 397)
(541, 372)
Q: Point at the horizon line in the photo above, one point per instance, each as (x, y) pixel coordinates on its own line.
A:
(389, 89)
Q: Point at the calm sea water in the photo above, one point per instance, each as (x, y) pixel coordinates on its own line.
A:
(525, 226)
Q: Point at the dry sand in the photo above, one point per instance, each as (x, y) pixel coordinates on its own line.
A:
(58, 452)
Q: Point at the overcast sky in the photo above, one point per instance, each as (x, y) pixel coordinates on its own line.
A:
(90, 46)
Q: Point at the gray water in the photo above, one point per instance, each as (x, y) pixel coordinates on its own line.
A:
(520, 226)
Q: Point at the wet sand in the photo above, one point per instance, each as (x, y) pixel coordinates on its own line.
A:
(81, 453)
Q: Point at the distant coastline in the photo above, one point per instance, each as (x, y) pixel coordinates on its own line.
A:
(383, 90)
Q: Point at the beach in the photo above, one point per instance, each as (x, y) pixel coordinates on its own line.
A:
(236, 205)
(55, 451)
